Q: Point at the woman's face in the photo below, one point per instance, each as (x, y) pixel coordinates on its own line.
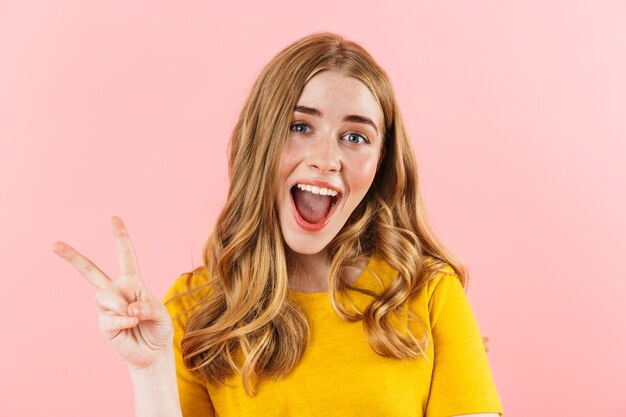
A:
(329, 160)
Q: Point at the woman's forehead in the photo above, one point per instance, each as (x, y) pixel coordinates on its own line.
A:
(338, 94)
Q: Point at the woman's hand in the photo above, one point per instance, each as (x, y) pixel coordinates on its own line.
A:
(135, 322)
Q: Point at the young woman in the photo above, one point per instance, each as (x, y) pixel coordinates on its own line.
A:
(322, 290)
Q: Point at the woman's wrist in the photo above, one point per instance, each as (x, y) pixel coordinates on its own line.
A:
(156, 388)
(164, 360)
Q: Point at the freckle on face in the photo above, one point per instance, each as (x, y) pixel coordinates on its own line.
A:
(335, 96)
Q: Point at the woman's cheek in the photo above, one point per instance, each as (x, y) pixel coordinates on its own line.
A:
(288, 159)
(364, 170)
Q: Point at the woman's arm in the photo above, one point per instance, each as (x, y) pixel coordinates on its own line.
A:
(462, 381)
(156, 390)
(136, 324)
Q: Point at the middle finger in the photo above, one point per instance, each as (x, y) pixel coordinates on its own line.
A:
(128, 260)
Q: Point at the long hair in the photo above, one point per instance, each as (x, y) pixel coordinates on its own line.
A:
(246, 323)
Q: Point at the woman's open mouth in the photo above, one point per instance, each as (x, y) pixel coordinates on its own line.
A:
(313, 206)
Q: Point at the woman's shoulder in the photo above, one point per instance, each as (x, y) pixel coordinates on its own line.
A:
(438, 282)
(434, 271)
(440, 276)
(187, 292)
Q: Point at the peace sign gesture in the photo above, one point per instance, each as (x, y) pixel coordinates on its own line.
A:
(135, 322)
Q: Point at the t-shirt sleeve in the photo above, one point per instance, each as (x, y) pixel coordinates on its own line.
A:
(462, 382)
(194, 397)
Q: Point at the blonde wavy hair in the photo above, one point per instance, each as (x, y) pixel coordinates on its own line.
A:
(246, 323)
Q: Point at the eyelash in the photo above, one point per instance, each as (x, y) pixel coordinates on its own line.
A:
(298, 124)
(363, 138)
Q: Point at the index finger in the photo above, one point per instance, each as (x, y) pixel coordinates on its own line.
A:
(83, 265)
(128, 260)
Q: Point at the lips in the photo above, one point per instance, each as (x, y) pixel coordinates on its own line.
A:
(313, 205)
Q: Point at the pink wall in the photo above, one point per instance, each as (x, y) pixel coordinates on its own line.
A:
(517, 111)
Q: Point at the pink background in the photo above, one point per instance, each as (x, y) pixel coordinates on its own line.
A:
(517, 115)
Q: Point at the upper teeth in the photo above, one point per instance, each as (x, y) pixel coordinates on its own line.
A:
(317, 190)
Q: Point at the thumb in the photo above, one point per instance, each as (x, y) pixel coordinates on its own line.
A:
(151, 310)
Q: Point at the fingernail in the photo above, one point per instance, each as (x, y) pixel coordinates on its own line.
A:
(58, 247)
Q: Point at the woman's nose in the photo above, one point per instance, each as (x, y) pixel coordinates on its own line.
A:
(325, 155)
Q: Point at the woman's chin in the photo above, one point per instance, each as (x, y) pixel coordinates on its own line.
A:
(304, 243)
(302, 248)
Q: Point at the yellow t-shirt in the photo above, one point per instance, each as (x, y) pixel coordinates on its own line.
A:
(340, 374)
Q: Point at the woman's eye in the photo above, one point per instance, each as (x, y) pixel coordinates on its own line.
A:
(356, 138)
(299, 128)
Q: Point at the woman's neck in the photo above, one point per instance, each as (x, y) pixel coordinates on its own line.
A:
(308, 273)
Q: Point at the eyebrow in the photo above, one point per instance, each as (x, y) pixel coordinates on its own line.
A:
(349, 118)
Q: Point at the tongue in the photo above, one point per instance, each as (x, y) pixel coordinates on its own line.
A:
(312, 207)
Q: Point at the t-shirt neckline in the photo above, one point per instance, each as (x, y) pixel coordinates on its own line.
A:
(320, 294)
